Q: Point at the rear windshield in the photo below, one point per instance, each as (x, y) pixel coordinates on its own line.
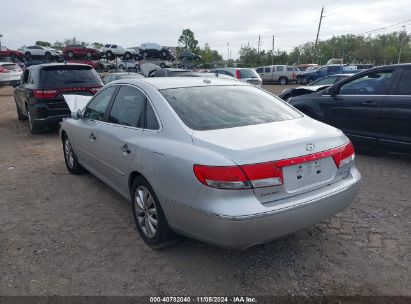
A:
(220, 107)
(10, 67)
(70, 76)
(248, 73)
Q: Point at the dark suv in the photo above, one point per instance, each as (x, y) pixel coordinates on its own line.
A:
(373, 107)
(39, 93)
(80, 51)
(189, 56)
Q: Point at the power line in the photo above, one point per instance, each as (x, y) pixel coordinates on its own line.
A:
(383, 28)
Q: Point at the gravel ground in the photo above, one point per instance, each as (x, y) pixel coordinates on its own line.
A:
(71, 235)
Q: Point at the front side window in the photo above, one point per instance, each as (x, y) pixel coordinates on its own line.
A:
(324, 81)
(259, 70)
(280, 69)
(376, 83)
(98, 106)
(267, 70)
(128, 108)
(404, 85)
(220, 107)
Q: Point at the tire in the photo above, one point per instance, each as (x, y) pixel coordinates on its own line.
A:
(70, 54)
(70, 158)
(33, 126)
(27, 55)
(283, 80)
(127, 55)
(48, 56)
(20, 115)
(149, 218)
(109, 55)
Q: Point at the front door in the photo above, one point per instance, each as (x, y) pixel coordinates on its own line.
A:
(355, 109)
(87, 129)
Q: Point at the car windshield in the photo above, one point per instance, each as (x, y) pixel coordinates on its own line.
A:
(70, 76)
(248, 73)
(220, 107)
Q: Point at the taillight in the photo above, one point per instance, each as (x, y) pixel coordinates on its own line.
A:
(230, 177)
(45, 94)
(237, 74)
(94, 90)
(344, 155)
(3, 70)
(265, 174)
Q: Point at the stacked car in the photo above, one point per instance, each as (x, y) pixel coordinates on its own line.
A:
(14, 55)
(36, 51)
(80, 51)
(154, 50)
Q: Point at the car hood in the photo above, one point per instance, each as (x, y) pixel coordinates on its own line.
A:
(271, 141)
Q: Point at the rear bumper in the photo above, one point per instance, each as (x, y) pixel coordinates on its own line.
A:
(43, 115)
(245, 231)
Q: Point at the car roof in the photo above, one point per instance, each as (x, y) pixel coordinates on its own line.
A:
(7, 62)
(43, 65)
(161, 83)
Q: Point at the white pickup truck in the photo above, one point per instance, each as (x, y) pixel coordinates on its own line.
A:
(278, 73)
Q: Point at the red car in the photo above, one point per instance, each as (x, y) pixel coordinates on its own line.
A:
(80, 51)
(6, 52)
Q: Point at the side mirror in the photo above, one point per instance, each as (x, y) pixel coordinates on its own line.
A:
(15, 83)
(331, 91)
(77, 115)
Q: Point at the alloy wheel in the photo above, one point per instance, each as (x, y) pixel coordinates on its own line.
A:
(68, 153)
(146, 211)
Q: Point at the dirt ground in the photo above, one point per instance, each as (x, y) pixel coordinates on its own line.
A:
(62, 234)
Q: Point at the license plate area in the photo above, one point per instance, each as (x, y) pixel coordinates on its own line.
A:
(309, 175)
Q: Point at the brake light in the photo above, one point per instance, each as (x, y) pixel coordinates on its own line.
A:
(45, 94)
(230, 177)
(3, 70)
(237, 74)
(94, 90)
(344, 155)
(264, 174)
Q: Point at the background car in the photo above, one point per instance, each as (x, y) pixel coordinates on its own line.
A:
(278, 73)
(80, 51)
(9, 71)
(371, 107)
(243, 74)
(6, 52)
(315, 86)
(116, 76)
(113, 50)
(189, 56)
(211, 159)
(43, 51)
(39, 95)
(154, 50)
(168, 72)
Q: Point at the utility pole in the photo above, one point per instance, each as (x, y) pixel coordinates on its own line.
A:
(272, 54)
(228, 52)
(0, 40)
(333, 46)
(258, 45)
(318, 33)
(402, 43)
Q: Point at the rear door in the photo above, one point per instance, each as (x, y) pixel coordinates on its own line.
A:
(120, 135)
(86, 134)
(395, 126)
(355, 109)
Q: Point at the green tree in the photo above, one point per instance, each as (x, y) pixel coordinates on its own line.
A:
(43, 43)
(187, 41)
(97, 45)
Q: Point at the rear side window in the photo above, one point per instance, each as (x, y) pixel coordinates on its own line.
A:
(280, 69)
(128, 108)
(290, 69)
(404, 85)
(69, 76)
(220, 107)
(267, 70)
(259, 70)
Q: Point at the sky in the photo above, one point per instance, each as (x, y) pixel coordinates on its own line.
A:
(237, 22)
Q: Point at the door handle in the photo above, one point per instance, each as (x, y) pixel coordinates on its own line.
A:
(92, 137)
(369, 102)
(125, 149)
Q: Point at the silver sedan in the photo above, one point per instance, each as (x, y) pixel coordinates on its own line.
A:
(217, 160)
